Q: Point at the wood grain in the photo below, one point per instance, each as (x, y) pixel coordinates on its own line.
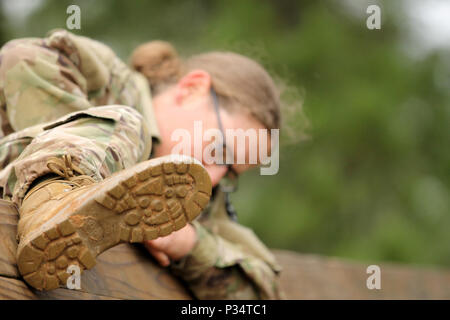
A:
(123, 272)
(14, 289)
(314, 277)
(128, 272)
(8, 245)
(18, 290)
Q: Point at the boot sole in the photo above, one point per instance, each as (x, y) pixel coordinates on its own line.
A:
(150, 200)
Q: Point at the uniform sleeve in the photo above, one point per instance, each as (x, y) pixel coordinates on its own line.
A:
(44, 79)
(39, 84)
(218, 268)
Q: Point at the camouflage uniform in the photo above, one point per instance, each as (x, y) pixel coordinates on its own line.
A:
(70, 94)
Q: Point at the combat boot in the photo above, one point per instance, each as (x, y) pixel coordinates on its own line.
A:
(70, 220)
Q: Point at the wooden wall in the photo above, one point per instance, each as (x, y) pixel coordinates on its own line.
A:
(128, 272)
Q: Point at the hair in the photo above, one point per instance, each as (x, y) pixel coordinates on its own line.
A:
(241, 83)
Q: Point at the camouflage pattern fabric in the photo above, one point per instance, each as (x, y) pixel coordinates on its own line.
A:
(228, 260)
(70, 94)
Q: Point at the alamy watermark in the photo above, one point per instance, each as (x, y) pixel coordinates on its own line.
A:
(374, 280)
(250, 147)
(74, 19)
(74, 280)
(374, 19)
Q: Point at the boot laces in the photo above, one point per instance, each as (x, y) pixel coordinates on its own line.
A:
(65, 168)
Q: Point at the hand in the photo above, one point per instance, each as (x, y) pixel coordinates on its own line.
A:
(174, 246)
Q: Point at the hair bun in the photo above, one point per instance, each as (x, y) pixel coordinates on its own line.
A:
(158, 61)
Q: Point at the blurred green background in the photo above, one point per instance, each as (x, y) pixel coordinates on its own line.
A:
(372, 182)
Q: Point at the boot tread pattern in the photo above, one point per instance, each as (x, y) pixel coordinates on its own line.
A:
(158, 200)
(44, 261)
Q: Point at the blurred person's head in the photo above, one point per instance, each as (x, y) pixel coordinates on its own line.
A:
(246, 94)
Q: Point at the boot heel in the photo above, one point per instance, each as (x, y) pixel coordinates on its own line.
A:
(43, 262)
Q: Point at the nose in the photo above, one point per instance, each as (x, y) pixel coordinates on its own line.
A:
(216, 173)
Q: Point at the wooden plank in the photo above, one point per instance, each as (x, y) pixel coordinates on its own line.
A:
(67, 294)
(14, 289)
(314, 277)
(18, 290)
(125, 271)
(8, 244)
(128, 272)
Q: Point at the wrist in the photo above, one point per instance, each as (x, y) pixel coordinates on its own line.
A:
(202, 257)
(187, 241)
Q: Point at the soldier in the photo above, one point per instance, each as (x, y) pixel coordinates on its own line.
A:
(78, 128)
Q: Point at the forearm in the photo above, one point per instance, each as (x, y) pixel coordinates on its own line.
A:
(218, 269)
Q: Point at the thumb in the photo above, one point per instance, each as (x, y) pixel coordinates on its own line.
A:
(161, 257)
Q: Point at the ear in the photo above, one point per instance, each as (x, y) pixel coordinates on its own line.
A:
(195, 83)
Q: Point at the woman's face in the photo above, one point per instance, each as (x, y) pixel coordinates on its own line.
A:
(186, 109)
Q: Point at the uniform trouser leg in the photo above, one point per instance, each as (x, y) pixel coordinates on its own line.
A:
(100, 140)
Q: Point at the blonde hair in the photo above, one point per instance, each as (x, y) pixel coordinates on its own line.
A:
(241, 83)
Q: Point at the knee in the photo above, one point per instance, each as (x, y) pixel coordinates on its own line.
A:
(13, 53)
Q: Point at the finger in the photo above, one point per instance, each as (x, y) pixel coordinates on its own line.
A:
(164, 243)
(160, 257)
(160, 243)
